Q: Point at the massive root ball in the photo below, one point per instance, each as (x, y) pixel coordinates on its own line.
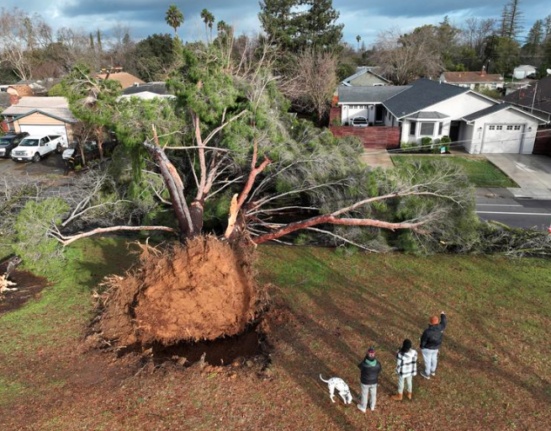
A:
(200, 291)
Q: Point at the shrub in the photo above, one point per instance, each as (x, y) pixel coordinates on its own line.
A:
(33, 243)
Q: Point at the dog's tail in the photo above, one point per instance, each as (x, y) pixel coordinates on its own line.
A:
(326, 381)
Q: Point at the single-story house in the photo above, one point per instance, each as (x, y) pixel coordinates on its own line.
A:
(434, 109)
(366, 76)
(473, 80)
(148, 91)
(524, 71)
(535, 98)
(41, 115)
(124, 78)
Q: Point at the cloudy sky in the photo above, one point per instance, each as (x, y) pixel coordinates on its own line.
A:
(360, 17)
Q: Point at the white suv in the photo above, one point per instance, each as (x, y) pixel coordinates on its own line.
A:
(33, 148)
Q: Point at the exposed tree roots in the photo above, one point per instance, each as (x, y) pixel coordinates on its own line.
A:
(201, 291)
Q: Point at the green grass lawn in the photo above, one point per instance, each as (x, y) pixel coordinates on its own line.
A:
(481, 172)
(493, 372)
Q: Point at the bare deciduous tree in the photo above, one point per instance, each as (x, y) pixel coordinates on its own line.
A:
(406, 57)
(312, 81)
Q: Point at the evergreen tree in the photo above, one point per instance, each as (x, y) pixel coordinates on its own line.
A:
(317, 26)
(92, 41)
(512, 20)
(547, 35)
(314, 26)
(98, 37)
(358, 39)
(277, 19)
(504, 24)
(535, 39)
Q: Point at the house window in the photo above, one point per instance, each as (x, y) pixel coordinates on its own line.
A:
(440, 128)
(492, 127)
(412, 128)
(427, 129)
(509, 127)
(499, 127)
(517, 127)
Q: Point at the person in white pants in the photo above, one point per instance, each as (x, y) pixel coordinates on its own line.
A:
(431, 340)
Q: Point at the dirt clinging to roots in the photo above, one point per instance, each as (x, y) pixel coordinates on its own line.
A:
(201, 291)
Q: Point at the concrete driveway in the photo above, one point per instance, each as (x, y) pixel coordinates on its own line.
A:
(51, 165)
(532, 173)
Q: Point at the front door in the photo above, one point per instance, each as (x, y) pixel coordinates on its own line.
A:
(379, 113)
(454, 131)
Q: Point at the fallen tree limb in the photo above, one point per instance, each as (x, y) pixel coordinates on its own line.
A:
(66, 240)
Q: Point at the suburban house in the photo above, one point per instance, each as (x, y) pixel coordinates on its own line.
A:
(151, 90)
(124, 78)
(41, 115)
(366, 76)
(536, 99)
(524, 71)
(473, 80)
(432, 109)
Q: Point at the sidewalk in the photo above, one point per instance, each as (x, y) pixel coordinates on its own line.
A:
(532, 173)
(377, 158)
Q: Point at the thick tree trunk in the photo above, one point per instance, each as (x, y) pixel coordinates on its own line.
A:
(176, 189)
(196, 212)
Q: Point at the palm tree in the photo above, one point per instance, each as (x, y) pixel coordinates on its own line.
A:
(208, 19)
(358, 38)
(174, 18)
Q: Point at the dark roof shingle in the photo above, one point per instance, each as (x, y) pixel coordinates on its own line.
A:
(421, 94)
(369, 94)
(525, 96)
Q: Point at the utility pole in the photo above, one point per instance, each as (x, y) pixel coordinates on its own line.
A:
(534, 98)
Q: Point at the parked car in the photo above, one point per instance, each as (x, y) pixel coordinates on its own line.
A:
(33, 148)
(359, 122)
(73, 155)
(9, 141)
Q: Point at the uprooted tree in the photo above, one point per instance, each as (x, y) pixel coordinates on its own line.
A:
(227, 148)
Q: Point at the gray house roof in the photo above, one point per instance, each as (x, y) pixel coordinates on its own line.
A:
(421, 94)
(56, 107)
(496, 108)
(362, 70)
(369, 94)
(429, 115)
(152, 87)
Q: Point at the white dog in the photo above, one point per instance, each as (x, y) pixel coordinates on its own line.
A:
(340, 386)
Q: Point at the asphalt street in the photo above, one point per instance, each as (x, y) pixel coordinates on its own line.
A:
(524, 213)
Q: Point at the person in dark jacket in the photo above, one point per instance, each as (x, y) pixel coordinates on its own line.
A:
(431, 340)
(370, 370)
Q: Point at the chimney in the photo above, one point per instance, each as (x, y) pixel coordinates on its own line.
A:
(483, 71)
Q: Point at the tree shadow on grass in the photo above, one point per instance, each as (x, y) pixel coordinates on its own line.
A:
(412, 327)
(103, 257)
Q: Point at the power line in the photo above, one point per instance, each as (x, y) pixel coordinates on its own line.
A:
(454, 143)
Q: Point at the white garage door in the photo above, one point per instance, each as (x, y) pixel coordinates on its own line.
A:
(45, 130)
(503, 138)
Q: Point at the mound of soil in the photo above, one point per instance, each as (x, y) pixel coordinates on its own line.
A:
(201, 291)
(28, 287)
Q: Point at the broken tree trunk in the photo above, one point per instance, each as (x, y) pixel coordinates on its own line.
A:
(175, 188)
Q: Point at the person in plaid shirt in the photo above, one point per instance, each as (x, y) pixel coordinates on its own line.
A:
(406, 368)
